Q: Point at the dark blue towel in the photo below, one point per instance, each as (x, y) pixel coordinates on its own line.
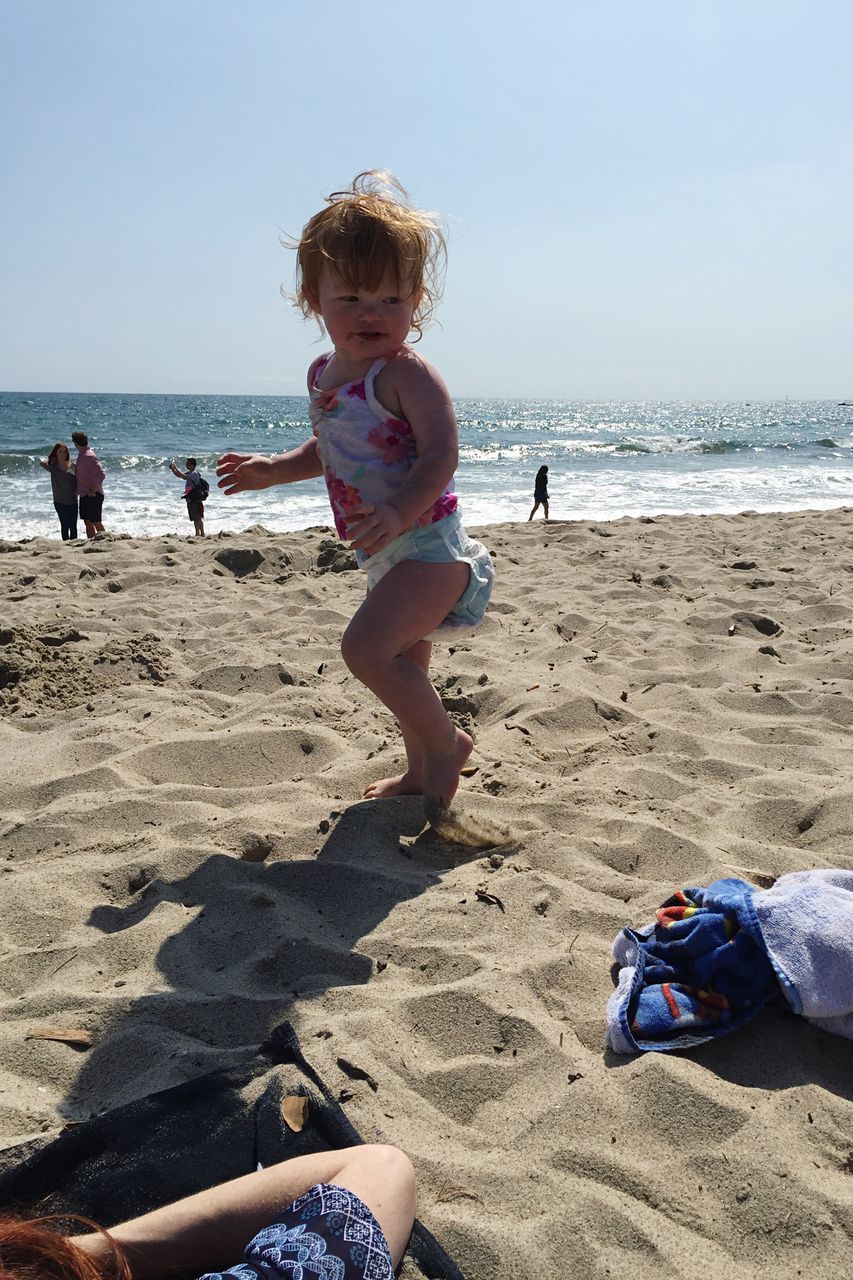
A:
(699, 971)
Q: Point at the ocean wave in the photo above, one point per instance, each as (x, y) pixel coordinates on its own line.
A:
(15, 463)
(711, 447)
(554, 449)
(550, 448)
(19, 463)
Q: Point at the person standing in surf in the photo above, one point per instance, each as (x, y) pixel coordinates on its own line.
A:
(540, 493)
(90, 484)
(64, 485)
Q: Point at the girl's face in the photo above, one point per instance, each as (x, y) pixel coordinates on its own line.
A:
(365, 324)
(62, 455)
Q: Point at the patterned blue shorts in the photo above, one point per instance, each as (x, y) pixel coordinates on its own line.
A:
(327, 1234)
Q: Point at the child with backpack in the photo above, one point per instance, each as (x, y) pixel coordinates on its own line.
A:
(195, 493)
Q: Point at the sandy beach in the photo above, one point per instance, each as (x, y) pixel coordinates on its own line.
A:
(185, 861)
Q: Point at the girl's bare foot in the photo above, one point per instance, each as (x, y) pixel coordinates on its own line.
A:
(442, 770)
(405, 784)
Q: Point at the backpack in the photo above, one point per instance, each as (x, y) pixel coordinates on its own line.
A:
(199, 492)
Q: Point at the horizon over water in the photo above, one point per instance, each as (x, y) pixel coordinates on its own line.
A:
(606, 458)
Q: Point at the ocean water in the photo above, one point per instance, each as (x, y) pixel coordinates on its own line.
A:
(606, 459)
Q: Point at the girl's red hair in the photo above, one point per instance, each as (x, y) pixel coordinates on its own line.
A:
(365, 231)
(29, 1251)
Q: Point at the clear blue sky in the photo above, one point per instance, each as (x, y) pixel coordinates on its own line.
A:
(645, 199)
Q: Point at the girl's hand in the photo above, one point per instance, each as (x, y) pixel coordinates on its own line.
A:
(377, 527)
(242, 471)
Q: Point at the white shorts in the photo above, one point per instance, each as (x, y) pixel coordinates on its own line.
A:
(441, 543)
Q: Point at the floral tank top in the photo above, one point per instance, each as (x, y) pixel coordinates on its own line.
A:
(366, 452)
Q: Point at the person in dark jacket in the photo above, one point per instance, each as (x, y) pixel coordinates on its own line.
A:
(540, 493)
(64, 484)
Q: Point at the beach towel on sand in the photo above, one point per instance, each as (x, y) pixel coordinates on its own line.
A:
(713, 957)
(171, 1144)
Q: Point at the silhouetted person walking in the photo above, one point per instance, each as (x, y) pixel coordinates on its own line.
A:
(540, 493)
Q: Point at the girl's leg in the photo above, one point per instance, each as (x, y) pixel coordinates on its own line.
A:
(406, 605)
(545, 508)
(410, 783)
(533, 512)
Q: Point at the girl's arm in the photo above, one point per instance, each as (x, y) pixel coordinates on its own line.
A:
(242, 471)
(426, 405)
(176, 471)
(211, 1229)
(44, 464)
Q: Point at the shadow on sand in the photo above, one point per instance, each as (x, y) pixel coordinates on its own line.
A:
(776, 1050)
(779, 1050)
(259, 937)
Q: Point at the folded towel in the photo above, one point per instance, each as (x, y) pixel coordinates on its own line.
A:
(806, 921)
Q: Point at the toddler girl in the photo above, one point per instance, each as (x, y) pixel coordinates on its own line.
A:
(385, 439)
